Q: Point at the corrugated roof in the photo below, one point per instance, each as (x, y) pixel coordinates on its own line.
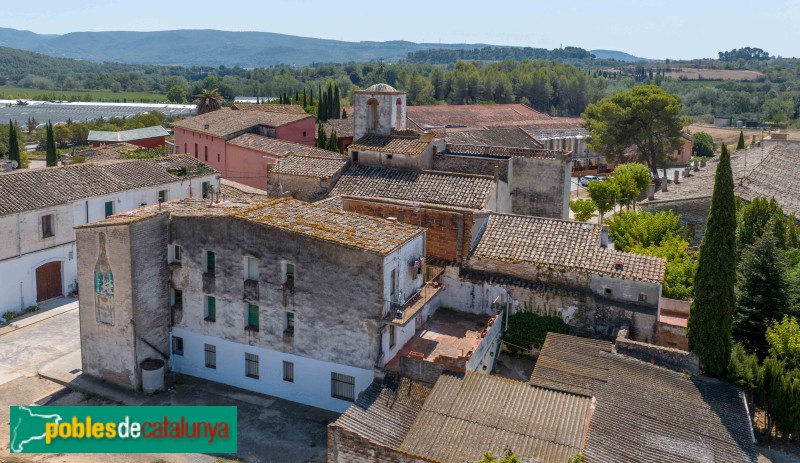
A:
(561, 244)
(461, 190)
(385, 411)
(225, 122)
(466, 415)
(24, 189)
(644, 413)
(394, 144)
(127, 135)
(309, 166)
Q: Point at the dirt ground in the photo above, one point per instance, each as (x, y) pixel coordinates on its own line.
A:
(730, 136)
(715, 74)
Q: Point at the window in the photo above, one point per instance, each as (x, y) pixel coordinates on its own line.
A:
(289, 273)
(392, 336)
(176, 253)
(177, 345)
(47, 226)
(290, 322)
(343, 386)
(251, 268)
(355, 156)
(211, 262)
(642, 297)
(206, 186)
(185, 150)
(217, 157)
(205, 148)
(196, 152)
(211, 356)
(392, 285)
(372, 106)
(109, 208)
(288, 371)
(304, 134)
(162, 195)
(252, 317)
(608, 291)
(177, 297)
(211, 309)
(251, 365)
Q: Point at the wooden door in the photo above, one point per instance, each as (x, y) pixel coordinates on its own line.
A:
(48, 281)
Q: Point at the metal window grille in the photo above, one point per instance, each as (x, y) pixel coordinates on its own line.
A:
(288, 371)
(211, 356)
(343, 386)
(251, 365)
(177, 345)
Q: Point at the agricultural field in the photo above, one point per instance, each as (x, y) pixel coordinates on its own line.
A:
(730, 135)
(21, 93)
(713, 74)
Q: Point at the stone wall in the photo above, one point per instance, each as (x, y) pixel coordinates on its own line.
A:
(421, 370)
(478, 165)
(300, 187)
(693, 214)
(347, 447)
(448, 234)
(540, 187)
(665, 357)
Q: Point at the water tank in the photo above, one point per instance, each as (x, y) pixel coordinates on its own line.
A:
(152, 376)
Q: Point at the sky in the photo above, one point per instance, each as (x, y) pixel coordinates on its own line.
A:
(658, 29)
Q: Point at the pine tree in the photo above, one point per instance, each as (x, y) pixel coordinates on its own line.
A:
(50, 147)
(333, 142)
(322, 140)
(740, 145)
(13, 144)
(762, 294)
(711, 315)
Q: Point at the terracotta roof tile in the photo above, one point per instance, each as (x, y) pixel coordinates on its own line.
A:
(280, 148)
(509, 137)
(24, 190)
(344, 127)
(561, 244)
(234, 191)
(460, 190)
(395, 144)
(270, 108)
(225, 122)
(777, 176)
(309, 166)
(504, 151)
(474, 116)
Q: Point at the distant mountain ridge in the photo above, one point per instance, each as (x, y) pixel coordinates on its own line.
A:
(617, 55)
(198, 47)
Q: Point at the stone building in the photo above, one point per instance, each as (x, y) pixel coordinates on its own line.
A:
(306, 176)
(280, 297)
(40, 207)
(556, 266)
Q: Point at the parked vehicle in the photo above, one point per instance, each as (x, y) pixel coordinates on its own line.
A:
(586, 180)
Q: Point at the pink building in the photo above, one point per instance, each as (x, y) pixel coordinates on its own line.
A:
(211, 138)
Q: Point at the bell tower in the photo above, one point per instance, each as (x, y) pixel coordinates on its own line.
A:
(378, 109)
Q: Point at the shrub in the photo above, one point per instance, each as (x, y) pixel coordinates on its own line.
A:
(528, 329)
(10, 315)
(583, 209)
(78, 159)
(32, 308)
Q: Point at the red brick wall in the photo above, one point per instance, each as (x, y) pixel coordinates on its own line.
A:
(347, 447)
(449, 232)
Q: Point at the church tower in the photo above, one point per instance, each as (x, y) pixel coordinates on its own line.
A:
(378, 109)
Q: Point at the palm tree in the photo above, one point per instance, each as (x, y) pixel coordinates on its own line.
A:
(208, 100)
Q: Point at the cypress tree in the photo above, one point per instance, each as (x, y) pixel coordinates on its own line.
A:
(333, 142)
(311, 96)
(305, 101)
(329, 103)
(740, 145)
(50, 147)
(711, 315)
(763, 294)
(13, 144)
(322, 141)
(337, 104)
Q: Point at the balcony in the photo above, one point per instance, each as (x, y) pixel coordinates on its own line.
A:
(397, 314)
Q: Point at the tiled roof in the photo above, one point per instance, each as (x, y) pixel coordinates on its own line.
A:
(309, 166)
(561, 244)
(474, 116)
(233, 191)
(127, 135)
(509, 137)
(504, 151)
(112, 152)
(466, 415)
(776, 176)
(645, 413)
(394, 144)
(461, 190)
(385, 411)
(224, 122)
(24, 190)
(344, 127)
(340, 227)
(280, 148)
(270, 108)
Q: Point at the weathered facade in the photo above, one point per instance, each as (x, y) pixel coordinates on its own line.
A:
(280, 297)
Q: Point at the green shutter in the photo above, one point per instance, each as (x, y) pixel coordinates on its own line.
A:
(252, 315)
(109, 208)
(211, 260)
(212, 308)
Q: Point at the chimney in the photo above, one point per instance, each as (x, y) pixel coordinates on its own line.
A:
(618, 265)
(392, 219)
(206, 126)
(604, 236)
(426, 137)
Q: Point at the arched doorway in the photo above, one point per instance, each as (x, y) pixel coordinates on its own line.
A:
(372, 106)
(48, 281)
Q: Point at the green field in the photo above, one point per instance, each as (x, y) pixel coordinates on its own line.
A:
(13, 93)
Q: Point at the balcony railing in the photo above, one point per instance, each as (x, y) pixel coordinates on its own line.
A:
(401, 314)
